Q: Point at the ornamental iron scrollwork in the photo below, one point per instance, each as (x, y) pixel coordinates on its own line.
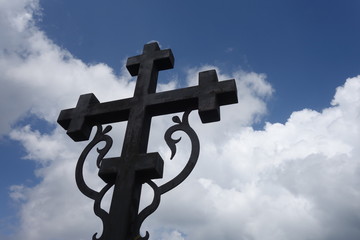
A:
(102, 136)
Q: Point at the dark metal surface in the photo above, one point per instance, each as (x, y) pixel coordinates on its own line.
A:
(135, 166)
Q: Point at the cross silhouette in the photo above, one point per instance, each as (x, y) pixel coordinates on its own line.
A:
(134, 166)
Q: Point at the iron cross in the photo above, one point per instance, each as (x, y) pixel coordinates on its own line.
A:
(134, 166)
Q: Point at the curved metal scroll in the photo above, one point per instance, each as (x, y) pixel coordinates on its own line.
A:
(181, 125)
(100, 136)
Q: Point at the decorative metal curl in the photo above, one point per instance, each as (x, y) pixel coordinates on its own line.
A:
(100, 136)
(181, 125)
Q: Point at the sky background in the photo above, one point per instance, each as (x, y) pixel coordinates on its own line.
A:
(282, 164)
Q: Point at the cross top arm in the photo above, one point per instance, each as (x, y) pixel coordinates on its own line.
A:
(207, 97)
(161, 59)
(89, 112)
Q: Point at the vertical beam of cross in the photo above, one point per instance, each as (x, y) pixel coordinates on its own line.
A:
(127, 190)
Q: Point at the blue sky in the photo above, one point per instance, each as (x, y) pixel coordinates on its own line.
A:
(297, 44)
(294, 133)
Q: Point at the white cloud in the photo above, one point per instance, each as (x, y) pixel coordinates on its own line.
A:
(41, 78)
(174, 235)
(298, 180)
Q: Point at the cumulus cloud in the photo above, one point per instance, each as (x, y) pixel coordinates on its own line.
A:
(293, 180)
(38, 77)
(298, 180)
